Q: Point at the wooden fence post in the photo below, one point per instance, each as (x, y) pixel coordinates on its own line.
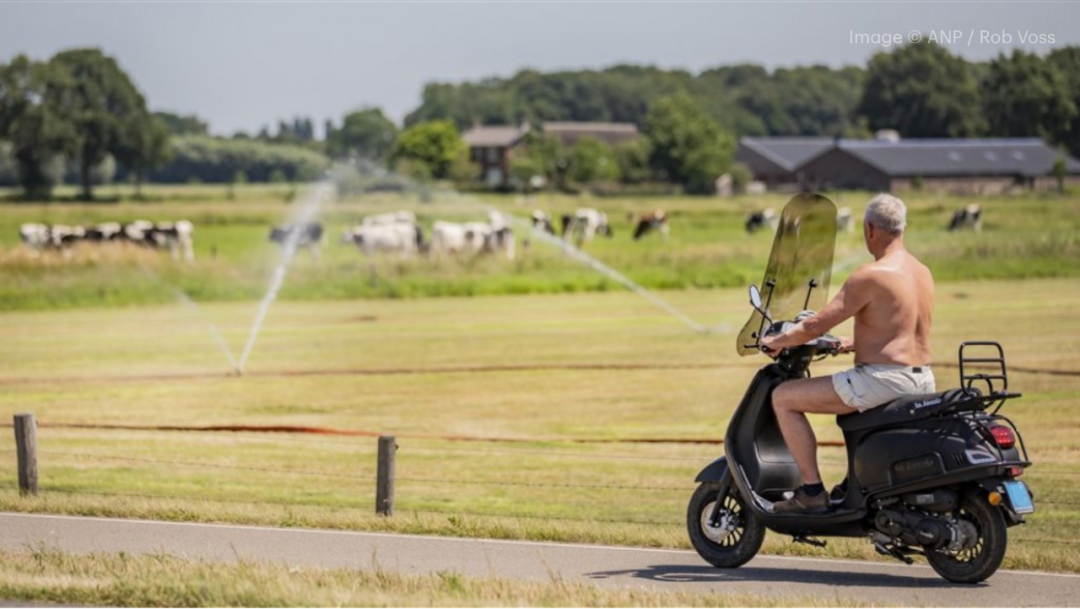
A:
(384, 487)
(26, 452)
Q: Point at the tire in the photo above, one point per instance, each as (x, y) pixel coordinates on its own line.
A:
(980, 562)
(735, 548)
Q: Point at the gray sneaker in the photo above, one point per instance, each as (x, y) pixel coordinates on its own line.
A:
(803, 503)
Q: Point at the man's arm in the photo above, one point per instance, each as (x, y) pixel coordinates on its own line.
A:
(850, 300)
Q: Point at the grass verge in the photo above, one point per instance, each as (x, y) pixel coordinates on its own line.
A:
(41, 575)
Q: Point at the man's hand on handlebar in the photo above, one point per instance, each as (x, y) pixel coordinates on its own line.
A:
(847, 344)
(767, 346)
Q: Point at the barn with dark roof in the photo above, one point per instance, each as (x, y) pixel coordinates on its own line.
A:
(988, 165)
(776, 160)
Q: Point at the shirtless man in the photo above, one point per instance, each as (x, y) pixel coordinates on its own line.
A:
(892, 300)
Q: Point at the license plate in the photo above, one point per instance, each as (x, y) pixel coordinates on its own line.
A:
(1019, 497)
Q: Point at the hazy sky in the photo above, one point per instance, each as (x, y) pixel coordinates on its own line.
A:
(241, 65)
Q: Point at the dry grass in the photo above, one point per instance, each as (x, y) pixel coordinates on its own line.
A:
(164, 581)
(106, 366)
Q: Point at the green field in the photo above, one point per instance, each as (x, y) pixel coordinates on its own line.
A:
(1025, 236)
(581, 367)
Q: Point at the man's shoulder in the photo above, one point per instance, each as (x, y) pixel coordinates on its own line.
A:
(868, 273)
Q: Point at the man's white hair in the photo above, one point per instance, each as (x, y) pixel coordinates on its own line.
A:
(887, 213)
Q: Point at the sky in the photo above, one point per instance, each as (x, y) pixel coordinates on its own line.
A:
(245, 64)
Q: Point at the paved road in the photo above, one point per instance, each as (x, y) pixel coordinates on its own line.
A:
(885, 583)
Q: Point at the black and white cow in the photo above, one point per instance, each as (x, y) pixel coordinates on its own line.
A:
(105, 232)
(655, 220)
(308, 236)
(585, 224)
(57, 237)
(541, 221)
(177, 236)
(35, 236)
(968, 218)
(500, 237)
(761, 219)
(401, 238)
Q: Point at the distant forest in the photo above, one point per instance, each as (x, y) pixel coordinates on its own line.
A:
(920, 90)
(745, 99)
(78, 118)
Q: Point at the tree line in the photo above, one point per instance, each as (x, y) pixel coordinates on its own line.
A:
(79, 118)
(920, 90)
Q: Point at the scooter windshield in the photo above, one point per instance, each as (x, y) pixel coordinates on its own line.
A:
(800, 264)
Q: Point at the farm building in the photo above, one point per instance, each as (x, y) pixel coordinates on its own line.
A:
(987, 165)
(954, 165)
(491, 146)
(775, 161)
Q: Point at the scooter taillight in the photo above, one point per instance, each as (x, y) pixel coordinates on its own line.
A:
(1003, 436)
(1016, 472)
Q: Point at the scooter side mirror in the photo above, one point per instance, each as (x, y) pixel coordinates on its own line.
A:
(755, 297)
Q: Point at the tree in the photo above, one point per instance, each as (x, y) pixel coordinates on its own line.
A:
(591, 161)
(1026, 96)
(436, 146)
(35, 103)
(1059, 172)
(188, 124)
(922, 90)
(146, 148)
(105, 106)
(1067, 61)
(365, 133)
(688, 147)
(540, 155)
(633, 159)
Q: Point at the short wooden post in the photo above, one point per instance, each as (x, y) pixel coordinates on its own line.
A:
(26, 452)
(384, 487)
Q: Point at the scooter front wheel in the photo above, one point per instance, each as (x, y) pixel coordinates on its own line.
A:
(738, 534)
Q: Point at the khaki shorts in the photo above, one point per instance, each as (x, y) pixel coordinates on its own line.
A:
(867, 386)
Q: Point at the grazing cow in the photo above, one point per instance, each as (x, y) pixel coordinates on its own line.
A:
(586, 224)
(379, 238)
(303, 235)
(760, 219)
(176, 236)
(108, 231)
(500, 236)
(843, 220)
(969, 217)
(500, 240)
(454, 238)
(650, 221)
(62, 237)
(542, 222)
(35, 236)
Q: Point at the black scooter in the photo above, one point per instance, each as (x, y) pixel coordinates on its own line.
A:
(932, 475)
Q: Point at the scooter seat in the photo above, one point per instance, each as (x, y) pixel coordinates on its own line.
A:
(905, 409)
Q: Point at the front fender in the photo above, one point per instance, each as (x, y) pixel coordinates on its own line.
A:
(713, 472)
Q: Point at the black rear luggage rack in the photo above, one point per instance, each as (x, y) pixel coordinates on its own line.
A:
(997, 372)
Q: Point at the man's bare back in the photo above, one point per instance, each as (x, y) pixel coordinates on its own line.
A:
(892, 302)
(895, 326)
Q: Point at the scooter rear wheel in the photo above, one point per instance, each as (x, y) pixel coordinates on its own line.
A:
(979, 562)
(736, 540)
